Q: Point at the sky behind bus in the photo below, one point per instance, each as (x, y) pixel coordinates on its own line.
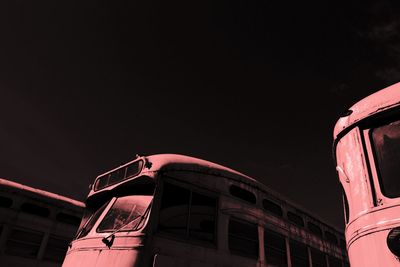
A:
(253, 85)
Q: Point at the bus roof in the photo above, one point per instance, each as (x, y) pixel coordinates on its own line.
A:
(380, 101)
(176, 162)
(12, 186)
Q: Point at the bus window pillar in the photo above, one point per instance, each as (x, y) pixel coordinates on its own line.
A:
(46, 236)
(261, 251)
(43, 245)
(3, 236)
(222, 232)
(326, 260)
(289, 260)
(309, 257)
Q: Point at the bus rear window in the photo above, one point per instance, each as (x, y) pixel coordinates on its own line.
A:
(386, 143)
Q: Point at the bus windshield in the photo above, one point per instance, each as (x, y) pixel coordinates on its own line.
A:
(89, 219)
(386, 141)
(124, 212)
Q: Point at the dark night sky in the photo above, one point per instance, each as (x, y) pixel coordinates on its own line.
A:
(253, 85)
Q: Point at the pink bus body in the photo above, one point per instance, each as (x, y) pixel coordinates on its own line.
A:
(174, 210)
(367, 155)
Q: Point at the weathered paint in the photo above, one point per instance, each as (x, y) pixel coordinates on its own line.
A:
(150, 247)
(370, 220)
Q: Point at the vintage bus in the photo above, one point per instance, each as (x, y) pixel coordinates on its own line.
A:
(175, 210)
(367, 157)
(36, 226)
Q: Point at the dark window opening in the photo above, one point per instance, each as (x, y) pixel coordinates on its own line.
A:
(334, 262)
(314, 229)
(318, 258)
(174, 210)
(272, 207)
(188, 214)
(5, 202)
(243, 238)
(275, 249)
(56, 248)
(296, 219)
(342, 244)
(386, 144)
(68, 219)
(298, 254)
(133, 169)
(202, 223)
(23, 243)
(331, 238)
(243, 194)
(118, 175)
(35, 209)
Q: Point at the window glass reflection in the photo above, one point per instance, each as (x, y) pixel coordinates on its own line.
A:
(125, 213)
(386, 142)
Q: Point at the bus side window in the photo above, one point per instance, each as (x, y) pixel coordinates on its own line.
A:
(174, 210)
(318, 258)
(314, 229)
(298, 254)
(56, 248)
(275, 248)
(243, 238)
(202, 217)
(296, 219)
(188, 214)
(334, 262)
(24, 243)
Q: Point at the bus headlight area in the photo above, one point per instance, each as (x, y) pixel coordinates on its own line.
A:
(393, 241)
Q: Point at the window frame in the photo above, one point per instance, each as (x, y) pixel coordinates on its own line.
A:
(191, 189)
(269, 230)
(242, 221)
(373, 157)
(19, 242)
(240, 190)
(293, 221)
(315, 251)
(274, 204)
(52, 248)
(301, 245)
(101, 218)
(320, 232)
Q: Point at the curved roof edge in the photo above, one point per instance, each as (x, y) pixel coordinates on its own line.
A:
(161, 159)
(167, 162)
(174, 162)
(381, 100)
(11, 184)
